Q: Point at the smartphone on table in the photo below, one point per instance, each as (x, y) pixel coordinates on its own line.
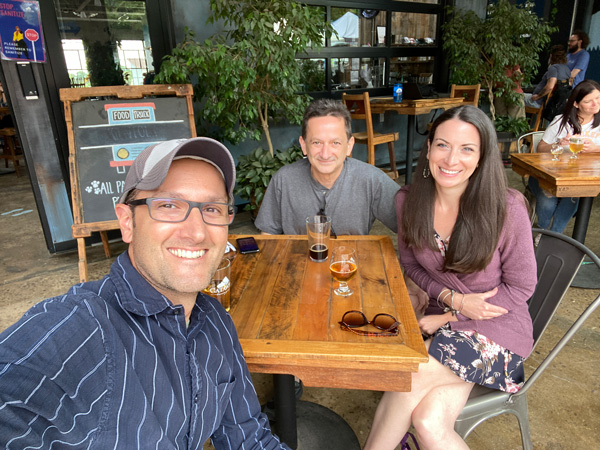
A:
(247, 245)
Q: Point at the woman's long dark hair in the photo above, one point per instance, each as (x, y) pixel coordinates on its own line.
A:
(569, 116)
(482, 206)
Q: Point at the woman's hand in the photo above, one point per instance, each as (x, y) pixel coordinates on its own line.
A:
(590, 147)
(430, 324)
(476, 307)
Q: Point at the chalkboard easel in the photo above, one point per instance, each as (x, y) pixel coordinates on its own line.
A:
(108, 126)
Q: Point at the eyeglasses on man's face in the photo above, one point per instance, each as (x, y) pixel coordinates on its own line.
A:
(177, 210)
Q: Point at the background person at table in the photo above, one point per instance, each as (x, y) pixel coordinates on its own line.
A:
(581, 117)
(351, 192)
(557, 71)
(502, 106)
(464, 237)
(141, 359)
(578, 56)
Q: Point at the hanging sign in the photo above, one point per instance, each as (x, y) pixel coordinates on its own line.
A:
(21, 31)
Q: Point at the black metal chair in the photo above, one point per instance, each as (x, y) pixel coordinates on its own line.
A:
(558, 259)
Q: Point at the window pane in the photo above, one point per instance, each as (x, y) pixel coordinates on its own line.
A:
(416, 69)
(103, 30)
(313, 73)
(358, 27)
(353, 73)
(413, 29)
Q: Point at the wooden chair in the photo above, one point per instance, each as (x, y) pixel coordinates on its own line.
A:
(470, 92)
(360, 109)
(10, 153)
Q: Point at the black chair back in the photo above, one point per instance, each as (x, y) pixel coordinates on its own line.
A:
(557, 263)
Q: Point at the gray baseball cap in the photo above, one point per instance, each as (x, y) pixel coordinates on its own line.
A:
(150, 168)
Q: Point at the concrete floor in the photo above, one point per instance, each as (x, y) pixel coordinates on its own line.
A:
(564, 406)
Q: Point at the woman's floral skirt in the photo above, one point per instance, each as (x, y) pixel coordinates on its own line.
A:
(476, 359)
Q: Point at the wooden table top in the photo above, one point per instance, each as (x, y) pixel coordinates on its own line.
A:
(287, 315)
(413, 107)
(564, 178)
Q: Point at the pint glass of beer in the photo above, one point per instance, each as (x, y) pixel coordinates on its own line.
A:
(318, 229)
(219, 286)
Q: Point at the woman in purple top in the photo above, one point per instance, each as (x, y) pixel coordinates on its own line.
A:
(464, 238)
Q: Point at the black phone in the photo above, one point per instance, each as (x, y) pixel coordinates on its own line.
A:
(247, 245)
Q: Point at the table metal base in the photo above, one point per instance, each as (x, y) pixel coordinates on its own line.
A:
(306, 425)
(319, 427)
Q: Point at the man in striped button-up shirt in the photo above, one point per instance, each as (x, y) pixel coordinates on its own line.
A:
(141, 359)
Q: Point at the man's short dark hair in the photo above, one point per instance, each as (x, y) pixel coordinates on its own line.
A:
(327, 107)
(583, 37)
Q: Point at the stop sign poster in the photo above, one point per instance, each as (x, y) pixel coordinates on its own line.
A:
(21, 31)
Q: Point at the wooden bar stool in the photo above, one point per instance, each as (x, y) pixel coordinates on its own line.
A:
(9, 135)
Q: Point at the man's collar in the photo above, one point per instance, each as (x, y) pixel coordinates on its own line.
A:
(139, 296)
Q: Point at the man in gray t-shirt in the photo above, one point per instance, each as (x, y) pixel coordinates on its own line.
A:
(351, 192)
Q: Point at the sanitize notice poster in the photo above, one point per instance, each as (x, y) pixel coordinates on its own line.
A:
(21, 31)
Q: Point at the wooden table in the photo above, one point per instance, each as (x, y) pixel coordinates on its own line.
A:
(287, 315)
(412, 108)
(565, 178)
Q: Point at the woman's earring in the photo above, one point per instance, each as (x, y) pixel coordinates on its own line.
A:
(426, 171)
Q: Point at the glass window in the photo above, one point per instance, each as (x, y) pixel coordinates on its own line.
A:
(75, 60)
(132, 58)
(313, 73)
(414, 69)
(358, 27)
(353, 73)
(105, 43)
(410, 29)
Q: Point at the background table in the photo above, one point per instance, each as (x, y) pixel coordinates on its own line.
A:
(568, 178)
(565, 178)
(412, 108)
(287, 315)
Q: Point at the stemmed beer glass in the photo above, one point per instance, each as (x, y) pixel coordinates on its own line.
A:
(575, 146)
(556, 150)
(343, 267)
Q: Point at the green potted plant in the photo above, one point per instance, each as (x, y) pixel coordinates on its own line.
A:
(508, 130)
(248, 76)
(480, 50)
(254, 171)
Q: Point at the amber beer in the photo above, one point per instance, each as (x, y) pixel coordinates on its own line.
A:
(318, 252)
(575, 145)
(342, 271)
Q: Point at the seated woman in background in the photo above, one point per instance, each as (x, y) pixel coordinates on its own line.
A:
(464, 238)
(557, 71)
(581, 117)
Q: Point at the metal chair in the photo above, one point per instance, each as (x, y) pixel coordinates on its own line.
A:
(470, 92)
(528, 142)
(558, 260)
(360, 109)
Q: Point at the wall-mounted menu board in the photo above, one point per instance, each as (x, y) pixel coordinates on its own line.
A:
(108, 127)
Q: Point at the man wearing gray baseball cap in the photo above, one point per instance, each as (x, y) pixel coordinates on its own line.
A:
(141, 359)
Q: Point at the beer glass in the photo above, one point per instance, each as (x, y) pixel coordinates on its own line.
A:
(575, 146)
(219, 286)
(343, 267)
(318, 229)
(556, 150)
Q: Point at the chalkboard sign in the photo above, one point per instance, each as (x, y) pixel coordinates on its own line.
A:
(108, 127)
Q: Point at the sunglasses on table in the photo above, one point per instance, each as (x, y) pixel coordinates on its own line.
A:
(388, 324)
